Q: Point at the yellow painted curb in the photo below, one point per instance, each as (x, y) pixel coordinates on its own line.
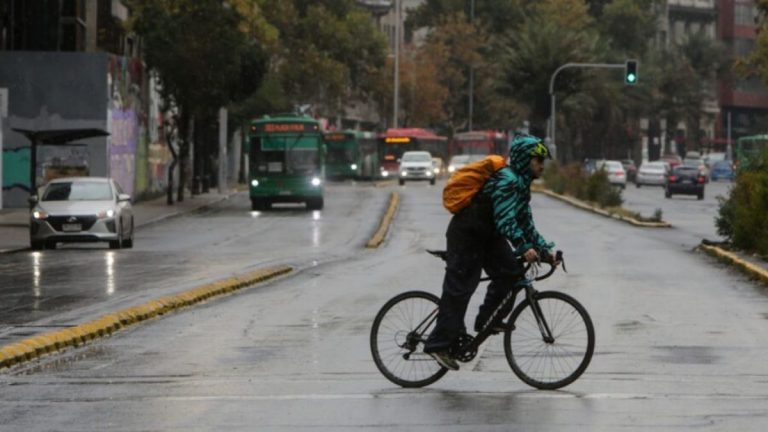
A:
(381, 233)
(584, 206)
(731, 258)
(39, 345)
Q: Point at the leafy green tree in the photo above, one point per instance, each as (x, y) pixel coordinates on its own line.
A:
(196, 49)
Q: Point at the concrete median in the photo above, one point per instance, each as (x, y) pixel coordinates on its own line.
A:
(105, 325)
(386, 220)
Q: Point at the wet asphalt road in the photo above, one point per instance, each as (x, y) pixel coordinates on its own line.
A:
(680, 343)
(50, 289)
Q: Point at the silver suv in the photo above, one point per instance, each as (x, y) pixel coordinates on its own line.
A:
(416, 165)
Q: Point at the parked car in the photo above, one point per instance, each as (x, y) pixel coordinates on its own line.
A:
(711, 158)
(81, 209)
(416, 165)
(722, 170)
(630, 168)
(699, 164)
(672, 159)
(437, 166)
(616, 174)
(652, 173)
(685, 180)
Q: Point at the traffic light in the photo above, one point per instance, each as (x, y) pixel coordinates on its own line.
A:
(630, 72)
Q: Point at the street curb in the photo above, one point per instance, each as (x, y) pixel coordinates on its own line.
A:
(105, 325)
(734, 260)
(584, 206)
(381, 233)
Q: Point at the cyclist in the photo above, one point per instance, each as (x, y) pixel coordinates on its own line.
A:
(482, 237)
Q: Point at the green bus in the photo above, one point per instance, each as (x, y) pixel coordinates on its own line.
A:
(285, 161)
(749, 147)
(351, 154)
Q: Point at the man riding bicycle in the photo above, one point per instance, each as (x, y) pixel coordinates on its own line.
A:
(489, 235)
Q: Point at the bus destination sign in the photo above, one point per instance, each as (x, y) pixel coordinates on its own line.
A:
(285, 127)
(335, 137)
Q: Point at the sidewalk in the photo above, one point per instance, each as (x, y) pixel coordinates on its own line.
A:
(14, 223)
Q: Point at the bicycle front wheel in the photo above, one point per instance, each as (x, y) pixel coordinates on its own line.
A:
(545, 363)
(397, 339)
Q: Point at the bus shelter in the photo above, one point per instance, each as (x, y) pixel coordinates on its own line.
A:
(54, 137)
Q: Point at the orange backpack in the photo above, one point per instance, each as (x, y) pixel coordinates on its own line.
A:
(467, 181)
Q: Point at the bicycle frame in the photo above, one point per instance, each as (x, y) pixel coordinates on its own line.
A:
(530, 293)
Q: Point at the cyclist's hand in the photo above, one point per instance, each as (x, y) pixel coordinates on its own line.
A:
(549, 257)
(531, 255)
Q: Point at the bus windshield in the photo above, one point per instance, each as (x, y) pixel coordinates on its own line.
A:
(340, 153)
(285, 154)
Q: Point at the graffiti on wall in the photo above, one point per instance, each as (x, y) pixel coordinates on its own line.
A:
(16, 168)
(138, 156)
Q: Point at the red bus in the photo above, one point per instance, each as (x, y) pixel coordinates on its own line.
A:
(396, 141)
(480, 143)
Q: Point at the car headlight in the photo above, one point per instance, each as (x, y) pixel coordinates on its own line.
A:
(316, 181)
(254, 182)
(451, 168)
(106, 214)
(39, 215)
(404, 173)
(353, 167)
(429, 173)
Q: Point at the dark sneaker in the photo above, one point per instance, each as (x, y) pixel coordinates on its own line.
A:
(445, 360)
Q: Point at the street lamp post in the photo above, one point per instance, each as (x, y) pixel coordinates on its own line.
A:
(397, 64)
(471, 71)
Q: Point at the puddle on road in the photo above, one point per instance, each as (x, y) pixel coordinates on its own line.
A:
(686, 355)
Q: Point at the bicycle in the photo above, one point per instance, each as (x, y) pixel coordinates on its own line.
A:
(549, 338)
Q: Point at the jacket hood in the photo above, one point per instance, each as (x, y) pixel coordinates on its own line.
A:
(520, 153)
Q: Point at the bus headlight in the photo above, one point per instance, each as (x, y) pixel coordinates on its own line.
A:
(316, 181)
(353, 167)
(254, 183)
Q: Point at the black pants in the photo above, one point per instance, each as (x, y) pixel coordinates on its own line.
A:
(466, 259)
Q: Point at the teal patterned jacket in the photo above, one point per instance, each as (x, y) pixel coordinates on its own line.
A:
(510, 192)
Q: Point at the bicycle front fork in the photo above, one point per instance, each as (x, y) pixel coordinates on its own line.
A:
(546, 333)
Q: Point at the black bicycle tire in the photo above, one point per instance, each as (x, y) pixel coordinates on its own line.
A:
(509, 352)
(375, 348)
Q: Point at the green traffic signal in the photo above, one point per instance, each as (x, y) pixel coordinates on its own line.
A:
(630, 72)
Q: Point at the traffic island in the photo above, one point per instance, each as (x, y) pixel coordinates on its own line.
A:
(613, 212)
(381, 233)
(735, 260)
(56, 341)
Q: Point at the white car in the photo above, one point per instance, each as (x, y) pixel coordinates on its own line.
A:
(416, 165)
(652, 173)
(81, 209)
(615, 170)
(459, 161)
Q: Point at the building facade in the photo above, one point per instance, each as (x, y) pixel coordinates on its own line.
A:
(68, 64)
(743, 101)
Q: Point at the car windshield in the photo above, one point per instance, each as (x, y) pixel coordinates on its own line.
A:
(685, 170)
(417, 157)
(78, 191)
(460, 159)
(693, 162)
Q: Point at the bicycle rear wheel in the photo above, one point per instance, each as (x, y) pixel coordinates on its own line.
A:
(397, 339)
(553, 364)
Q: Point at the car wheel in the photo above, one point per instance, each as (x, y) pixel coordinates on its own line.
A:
(700, 196)
(36, 245)
(638, 185)
(50, 245)
(668, 194)
(115, 244)
(128, 243)
(432, 182)
(401, 182)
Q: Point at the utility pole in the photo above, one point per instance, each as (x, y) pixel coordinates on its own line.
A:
(471, 70)
(397, 64)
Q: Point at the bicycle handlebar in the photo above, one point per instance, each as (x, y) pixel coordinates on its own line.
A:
(558, 258)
